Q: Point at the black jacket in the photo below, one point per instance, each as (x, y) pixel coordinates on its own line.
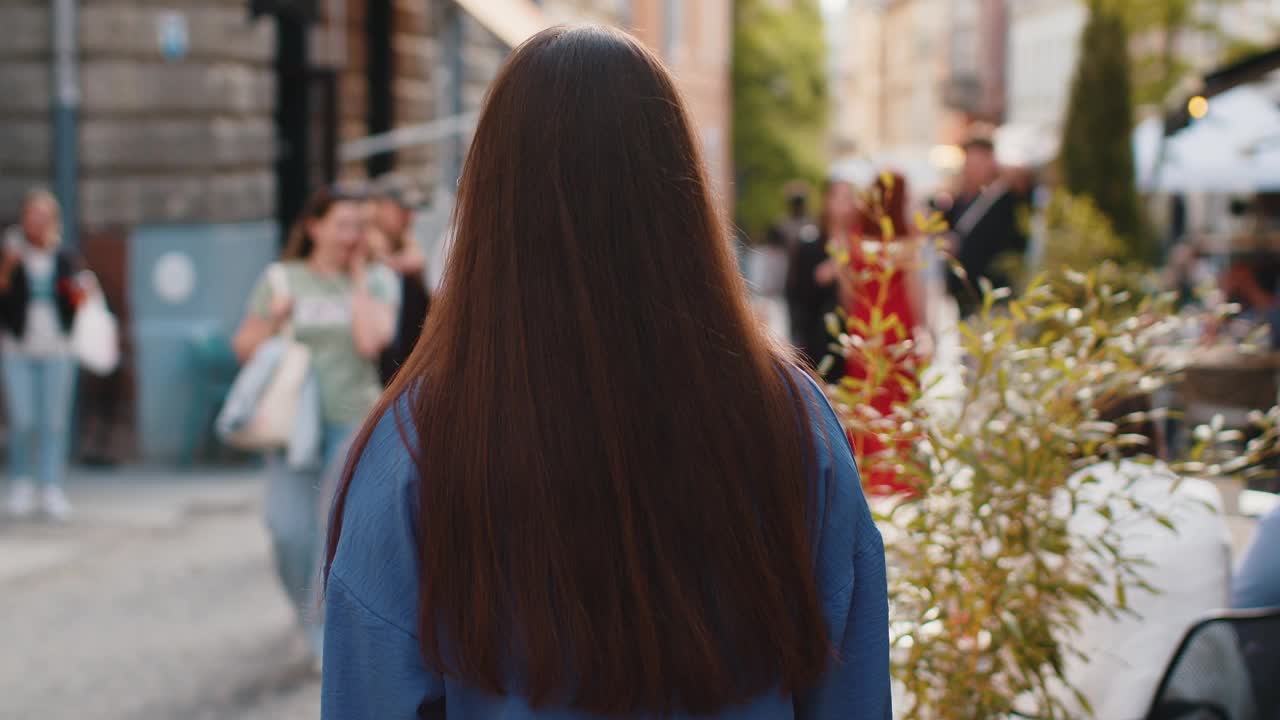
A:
(414, 303)
(13, 302)
(997, 234)
(809, 303)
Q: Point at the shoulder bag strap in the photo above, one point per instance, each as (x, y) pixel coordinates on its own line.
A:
(980, 207)
(278, 277)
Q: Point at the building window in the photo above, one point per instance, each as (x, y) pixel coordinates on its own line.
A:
(673, 17)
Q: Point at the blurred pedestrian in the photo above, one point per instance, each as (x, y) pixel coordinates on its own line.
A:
(986, 236)
(1188, 272)
(766, 266)
(391, 243)
(798, 226)
(812, 289)
(342, 308)
(883, 280)
(1252, 280)
(766, 273)
(41, 285)
(595, 496)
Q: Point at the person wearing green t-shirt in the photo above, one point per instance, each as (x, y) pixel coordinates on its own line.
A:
(343, 308)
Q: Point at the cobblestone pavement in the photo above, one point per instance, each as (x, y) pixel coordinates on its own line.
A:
(158, 601)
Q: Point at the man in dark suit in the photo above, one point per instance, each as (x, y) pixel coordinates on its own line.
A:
(986, 235)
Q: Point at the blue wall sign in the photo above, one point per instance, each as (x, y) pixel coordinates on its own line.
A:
(172, 34)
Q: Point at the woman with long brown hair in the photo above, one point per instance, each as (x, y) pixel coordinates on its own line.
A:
(598, 488)
(342, 308)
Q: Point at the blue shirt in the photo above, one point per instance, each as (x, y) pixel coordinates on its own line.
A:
(373, 667)
(1257, 582)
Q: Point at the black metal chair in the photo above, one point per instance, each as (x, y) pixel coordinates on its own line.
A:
(1226, 668)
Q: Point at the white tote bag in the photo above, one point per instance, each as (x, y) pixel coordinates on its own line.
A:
(271, 425)
(95, 336)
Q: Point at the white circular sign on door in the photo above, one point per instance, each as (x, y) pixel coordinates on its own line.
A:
(174, 277)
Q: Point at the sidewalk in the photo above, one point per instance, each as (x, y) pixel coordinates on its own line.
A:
(157, 600)
(122, 500)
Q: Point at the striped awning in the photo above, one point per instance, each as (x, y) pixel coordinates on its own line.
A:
(512, 21)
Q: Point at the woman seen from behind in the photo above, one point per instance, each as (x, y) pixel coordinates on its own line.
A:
(598, 488)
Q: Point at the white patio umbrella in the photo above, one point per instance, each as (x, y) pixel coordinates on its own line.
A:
(1225, 151)
(1264, 164)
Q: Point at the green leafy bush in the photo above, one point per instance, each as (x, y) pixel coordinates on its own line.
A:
(987, 582)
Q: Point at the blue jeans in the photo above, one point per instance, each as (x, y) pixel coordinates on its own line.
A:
(38, 393)
(297, 520)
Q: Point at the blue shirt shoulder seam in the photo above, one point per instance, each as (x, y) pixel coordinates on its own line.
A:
(359, 602)
(843, 589)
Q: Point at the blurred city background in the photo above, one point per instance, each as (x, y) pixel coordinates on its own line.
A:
(182, 137)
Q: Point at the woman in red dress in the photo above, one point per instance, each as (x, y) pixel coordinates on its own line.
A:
(885, 302)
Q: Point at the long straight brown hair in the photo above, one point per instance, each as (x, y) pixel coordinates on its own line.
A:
(615, 464)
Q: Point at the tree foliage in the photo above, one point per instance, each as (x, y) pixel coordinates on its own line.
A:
(780, 103)
(1096, 159)
(1160, 25)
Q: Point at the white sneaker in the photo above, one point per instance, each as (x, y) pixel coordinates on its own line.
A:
(56, 505)
(22, 498)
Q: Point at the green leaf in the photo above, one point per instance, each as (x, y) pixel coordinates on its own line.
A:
(833, 325)
(825, 365)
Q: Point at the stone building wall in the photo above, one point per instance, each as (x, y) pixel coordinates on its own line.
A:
(353, 86)
(175, 141)
(414, 49)
(188, 140)
(25, 82)
(412, 45)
